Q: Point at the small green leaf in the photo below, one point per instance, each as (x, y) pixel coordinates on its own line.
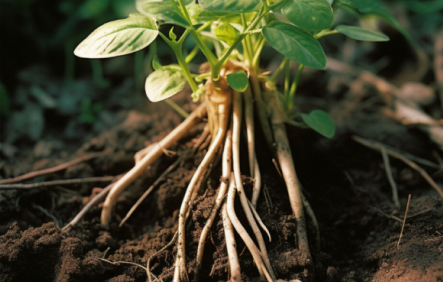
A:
(172, 34)
(312, 15)
(226, 33)
(118, 38)
(321, 122)
(231, 6)
(375, 7)
(162, 11)
(296, 44)
(164, 83)
(358, 33)
(238, 81)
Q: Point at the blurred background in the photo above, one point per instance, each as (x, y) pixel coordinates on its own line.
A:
(45, 90)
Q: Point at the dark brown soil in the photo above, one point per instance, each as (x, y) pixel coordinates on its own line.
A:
(345, 183)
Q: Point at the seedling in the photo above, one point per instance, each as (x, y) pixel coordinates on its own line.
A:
(232, 90)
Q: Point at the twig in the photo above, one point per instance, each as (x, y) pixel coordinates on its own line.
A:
(147, 192)
(404, 220)
(130, 263)
(99, 197)
(390, 177)
(423, 173)
(388, 215)
(53, 169)
(57, 183)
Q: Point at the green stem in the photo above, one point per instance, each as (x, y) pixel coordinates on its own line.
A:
(287, 77)
(290, 97)
(218, 66)
(192, 55)
(205, 50)
(177, 48)
(177, 108)
(248, 51)
(260, 44)
(279, 70)
(325, 32)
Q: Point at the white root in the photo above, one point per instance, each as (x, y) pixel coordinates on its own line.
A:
(257, 184)
(244, 234)
(226, 172)
(147, 160)
(180, 273)
(231, 247)
(249, 118)
(237, 120)
(289, 175)
(257, 216)
(311, 216)
(250, 134)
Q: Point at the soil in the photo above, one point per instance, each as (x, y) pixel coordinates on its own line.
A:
(345, 183)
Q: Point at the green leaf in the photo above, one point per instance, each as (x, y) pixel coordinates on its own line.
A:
(296, 44)
(118, 38)
(321, 122)
(358, 33)
(226, 33)
(231, 6)
(164, 83)
(375, 7)
(162, 11)
(238, 81)
(312, 15)
(200, 15)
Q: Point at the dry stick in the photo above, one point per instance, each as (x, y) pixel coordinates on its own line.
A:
(99, 197)
(231, 246)
(54, 169)
(147, 192)
(404, 220)
(57, 183)
(423, 173)
(243, 233)
(148, 271)
(289, 175)
(180, 273)
(390, 177)
(311, 215)
(226, 172)
(149, 159)
(250, 132)
(237, 121)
